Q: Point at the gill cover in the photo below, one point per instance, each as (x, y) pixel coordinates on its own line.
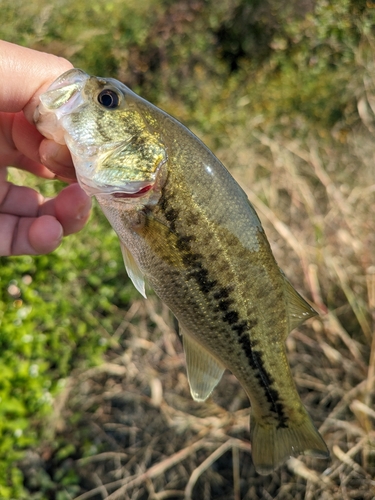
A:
(112, 146)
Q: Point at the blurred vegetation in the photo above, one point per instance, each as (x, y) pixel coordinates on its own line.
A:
(55, 315)
(283, 92)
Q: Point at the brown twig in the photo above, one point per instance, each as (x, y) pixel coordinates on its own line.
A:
(232, 442)
(159, 468)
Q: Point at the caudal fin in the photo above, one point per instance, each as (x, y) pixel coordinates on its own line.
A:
(272, 445)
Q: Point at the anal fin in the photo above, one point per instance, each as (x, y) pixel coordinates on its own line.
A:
(134, 273)
(203, 371)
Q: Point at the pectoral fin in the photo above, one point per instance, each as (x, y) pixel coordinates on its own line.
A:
(134, 273)
(298, 309)
(203, 371)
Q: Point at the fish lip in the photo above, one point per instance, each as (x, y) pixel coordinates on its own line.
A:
(138, 194)
(64, 95)
(129, 190)
(73, 76)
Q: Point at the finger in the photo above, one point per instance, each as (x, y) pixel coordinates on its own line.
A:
(57, 159)
(26, 138)
(37, 226)
(19, 201)
(45, 234)
(24, 75)
(71, 208)
(20, 144)
(26, 142)
(33, 167)
(31, 71)
(29, 235)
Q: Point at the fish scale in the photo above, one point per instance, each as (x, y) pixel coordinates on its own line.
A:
(187, 228)
(179, 302)
(199, 312)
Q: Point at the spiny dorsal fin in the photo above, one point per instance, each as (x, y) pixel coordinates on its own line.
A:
(133, 270)
(298, 309)
(203, 371)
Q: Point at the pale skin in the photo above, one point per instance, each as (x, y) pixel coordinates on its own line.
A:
(30, 223)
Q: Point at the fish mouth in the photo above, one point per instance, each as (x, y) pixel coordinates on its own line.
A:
(63, 94)
(128, 190)
(100, 168)
(62, 97)
(137, 194)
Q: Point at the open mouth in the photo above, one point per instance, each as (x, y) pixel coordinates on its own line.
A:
(131, 189)
(139, 193)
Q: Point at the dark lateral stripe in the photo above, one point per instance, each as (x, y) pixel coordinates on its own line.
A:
(192, 260)
(265, 380)
(223, 305)
(243, 329)
(201, 277)
(240, 328)
(221, 294)
(231, 317)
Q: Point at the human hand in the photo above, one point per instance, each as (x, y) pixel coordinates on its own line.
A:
(29, 223)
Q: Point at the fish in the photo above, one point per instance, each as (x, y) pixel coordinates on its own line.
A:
(188, 230)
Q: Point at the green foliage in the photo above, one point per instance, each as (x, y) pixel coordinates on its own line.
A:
(56, 313)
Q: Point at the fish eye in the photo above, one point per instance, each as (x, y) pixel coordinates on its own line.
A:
(108, 98)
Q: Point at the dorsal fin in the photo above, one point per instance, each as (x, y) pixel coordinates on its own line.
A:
(298, 309)
(134, 273)
(203, 371)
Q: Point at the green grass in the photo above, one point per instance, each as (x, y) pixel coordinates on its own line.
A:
(56, 315)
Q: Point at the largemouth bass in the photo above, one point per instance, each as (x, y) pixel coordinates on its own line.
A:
(187, 228)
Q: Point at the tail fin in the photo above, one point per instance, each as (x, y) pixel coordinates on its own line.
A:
(271, 445)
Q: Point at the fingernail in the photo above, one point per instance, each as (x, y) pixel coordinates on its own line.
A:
(59, 236)
(84, 210)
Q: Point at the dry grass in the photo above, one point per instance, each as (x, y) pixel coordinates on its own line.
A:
(156, 443)
(151, 441)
